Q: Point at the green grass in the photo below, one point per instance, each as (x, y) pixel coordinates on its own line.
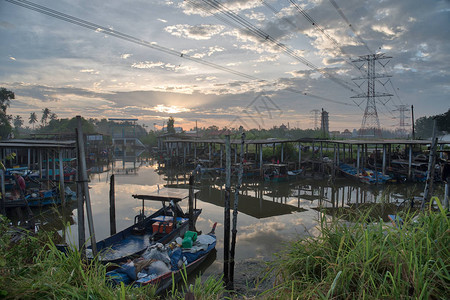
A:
(369, 261)
(34, 268)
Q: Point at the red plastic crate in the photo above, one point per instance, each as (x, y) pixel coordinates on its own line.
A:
(162, 227)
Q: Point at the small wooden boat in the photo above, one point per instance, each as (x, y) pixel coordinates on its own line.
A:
(39, 197)
(365, 175)
(177, 260)
(275, 172)
(163, 226)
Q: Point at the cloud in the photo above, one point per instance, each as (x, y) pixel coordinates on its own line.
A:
(90, 71)
(195, 32)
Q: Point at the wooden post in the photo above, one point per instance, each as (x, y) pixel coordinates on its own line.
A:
(299, 156)
(282, 152)
(447, 195)
(2, 190)
(235, 211)
(29, 159)
(61, 179)
(54, 167)
(112, 206)
(410, 162)
(431, 161)
(226, 235)
(357, 160)
(84, 180)
(261, 159)
(338, 158)
(80, 207)
(384, 159)
(191, 203)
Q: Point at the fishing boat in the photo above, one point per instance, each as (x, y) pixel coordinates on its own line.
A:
(163, 226)
(36, 197)
(365, 175)
(275, 172)
(164, 265)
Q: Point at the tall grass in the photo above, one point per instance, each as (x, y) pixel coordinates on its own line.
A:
(33, 268)
(369, 261)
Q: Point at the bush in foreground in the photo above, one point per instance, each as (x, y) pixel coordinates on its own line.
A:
(369, 261)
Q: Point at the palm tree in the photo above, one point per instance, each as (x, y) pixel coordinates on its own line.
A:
(53, 116)
(32, 119)
(18, 121)
(45, 114)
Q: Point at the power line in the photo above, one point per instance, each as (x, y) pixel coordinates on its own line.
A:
(95, 27)
(352, 28)
(115, 33)
(322, 30)
(242, 23)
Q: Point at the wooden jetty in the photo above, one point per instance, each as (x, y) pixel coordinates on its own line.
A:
(316, 155)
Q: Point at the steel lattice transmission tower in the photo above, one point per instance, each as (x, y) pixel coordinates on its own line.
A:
(370, 126)
(315, 118)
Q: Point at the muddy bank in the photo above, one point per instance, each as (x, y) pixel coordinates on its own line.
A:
(252, 277)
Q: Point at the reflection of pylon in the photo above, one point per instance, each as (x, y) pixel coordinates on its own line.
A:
(370, 126)
(402, 109)
(315, 118)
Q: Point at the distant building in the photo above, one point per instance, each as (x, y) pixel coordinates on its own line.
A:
(346, 134)
(335, 133)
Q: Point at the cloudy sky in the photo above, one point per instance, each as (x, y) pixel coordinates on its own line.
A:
(229, 63)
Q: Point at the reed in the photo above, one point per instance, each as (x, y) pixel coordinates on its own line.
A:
(369, 261)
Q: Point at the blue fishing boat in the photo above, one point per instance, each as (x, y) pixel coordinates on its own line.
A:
(163, 226)
(365, 175)
(36, 197)
(162, 265)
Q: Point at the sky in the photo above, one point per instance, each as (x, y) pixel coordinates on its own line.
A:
(227, 63)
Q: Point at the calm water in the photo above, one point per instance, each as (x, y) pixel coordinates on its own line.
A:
(270, 214)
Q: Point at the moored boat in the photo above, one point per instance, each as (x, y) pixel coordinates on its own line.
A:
(365, 175)
(162, 265)
(163, 226)
(275, 172)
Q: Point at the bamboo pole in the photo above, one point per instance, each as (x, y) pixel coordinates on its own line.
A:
(112, 206)
(430, 174)
(61, 179)
(84, 180)
(80, 207)
(226, 235)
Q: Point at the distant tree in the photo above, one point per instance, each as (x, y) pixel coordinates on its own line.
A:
(5, 126)
(45, 114)
(32, 119)
(424, 127)
(53, 116)
(5, 99)
(443, 121)
(171, 125)
(18, 121)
